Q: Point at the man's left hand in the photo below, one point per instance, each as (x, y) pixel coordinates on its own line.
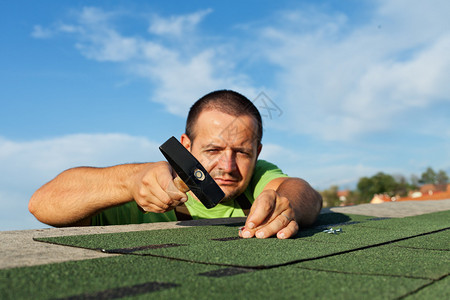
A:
(270, 214)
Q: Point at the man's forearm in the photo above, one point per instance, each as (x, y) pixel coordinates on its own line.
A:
(75, 195)
(305, 201)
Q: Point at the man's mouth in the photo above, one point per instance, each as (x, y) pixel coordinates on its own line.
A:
(226, 181)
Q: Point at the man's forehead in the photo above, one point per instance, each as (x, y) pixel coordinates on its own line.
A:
(214, 142)
(216, 127)
(228, 122)
(239, 132)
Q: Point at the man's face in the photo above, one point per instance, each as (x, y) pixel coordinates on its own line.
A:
(226, 146)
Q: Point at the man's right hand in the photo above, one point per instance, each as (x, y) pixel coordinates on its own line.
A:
(158, 189)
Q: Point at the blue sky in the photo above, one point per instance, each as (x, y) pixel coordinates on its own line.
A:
(358, 87)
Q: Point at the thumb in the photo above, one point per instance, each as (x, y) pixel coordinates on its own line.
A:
(175, 184)
(180, 185)
(176, 191)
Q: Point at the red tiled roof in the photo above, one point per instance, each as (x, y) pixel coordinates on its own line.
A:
(427, 187)
(343, 193)
(434, 196)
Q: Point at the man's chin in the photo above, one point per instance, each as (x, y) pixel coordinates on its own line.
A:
(230, 193)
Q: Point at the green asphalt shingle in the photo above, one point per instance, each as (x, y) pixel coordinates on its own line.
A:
(388, 260)
(435, 290)
(88, 278)
(372, 258)
(202, 244)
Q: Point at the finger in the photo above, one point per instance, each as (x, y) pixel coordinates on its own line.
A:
(161, 198)
(176, 190)
(151, 203)
(261, 210)
(246, 233)
(152, 208)
(289, 231)
(274, 226)
(180, 185)
(158, 200)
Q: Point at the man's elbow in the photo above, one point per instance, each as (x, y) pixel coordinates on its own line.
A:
(35, 206)
(313, 205)
(314, 197)
(45, 213)
(319, 201)
(40, 209)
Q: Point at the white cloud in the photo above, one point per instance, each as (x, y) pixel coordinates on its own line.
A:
(333, 80)
(343, 175)
(28, 165)
(180, 81)
(337, 81)
(68, 28)
(109, 46)
(14, 213)
(273, 152)
(177, 25)
(321, 170)
(98, 39)
(180, 71)
(41, 33)
(52, 155)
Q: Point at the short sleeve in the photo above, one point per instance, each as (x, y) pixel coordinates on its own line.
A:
(263, 174)
(129, 213)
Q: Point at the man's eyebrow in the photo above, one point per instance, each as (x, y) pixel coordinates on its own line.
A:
(212, 145)
(243, 149)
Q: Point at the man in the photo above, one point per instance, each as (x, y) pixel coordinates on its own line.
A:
(223, 131)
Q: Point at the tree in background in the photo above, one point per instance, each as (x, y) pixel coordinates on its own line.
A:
(441, 180)
(353, 198)
(402, 186)
(380, 183)
(429, 176)
(415, 181)
(330, 196)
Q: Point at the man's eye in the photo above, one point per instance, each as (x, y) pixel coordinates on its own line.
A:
(244, 153)
(212, 151)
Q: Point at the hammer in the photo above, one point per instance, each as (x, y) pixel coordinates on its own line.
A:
(192, 173)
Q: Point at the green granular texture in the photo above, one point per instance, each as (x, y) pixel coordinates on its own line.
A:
(198, 244)
(371, 258)
(91, 276)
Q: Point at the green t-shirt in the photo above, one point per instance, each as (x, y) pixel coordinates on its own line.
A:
(129, 213)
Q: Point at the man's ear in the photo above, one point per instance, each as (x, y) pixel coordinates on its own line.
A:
(259, 150)
(186, 141)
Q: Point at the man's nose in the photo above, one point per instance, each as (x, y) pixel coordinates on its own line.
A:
(227, 161)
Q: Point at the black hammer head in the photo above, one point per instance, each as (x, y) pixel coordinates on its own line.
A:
(192, 173)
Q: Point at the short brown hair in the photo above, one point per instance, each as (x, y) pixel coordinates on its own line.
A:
(226, 101)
